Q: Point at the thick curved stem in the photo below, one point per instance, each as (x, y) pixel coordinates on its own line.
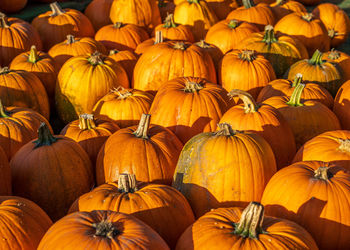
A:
(297, 79)
(159, 37)
(248, 3)
(225, 129)
(3, 113)
(3, 22)
(33, 55)
(169, 21)
(250, 224)
(250, 106)
(296, 96)
(269, 36)
(316, 58)
(45, 138)
(127, 183)
(142, 129)
(86, 122)
(56, 9)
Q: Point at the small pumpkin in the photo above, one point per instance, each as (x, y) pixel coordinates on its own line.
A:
(341, 59)
(5, 174)
(342, 105)
(281, 8)
(126, 59)
(145, 45)
(12, 6)
(96, 12)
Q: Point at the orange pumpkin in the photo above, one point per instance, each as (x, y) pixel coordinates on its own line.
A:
(281, 8)
(236, 229)
(12, 6)
(126, 59)
(214, 52)
(223, 169)
(148, 151)
(145, 45)
(161, 207)
(98, 13)
(55, 24)
(22, 223)
(83, 80)
(52, 171)
(315, 195)
(342, 105)
(101, 230)
(5, 174)
(341, 59)
(123, 106)
(222, 8)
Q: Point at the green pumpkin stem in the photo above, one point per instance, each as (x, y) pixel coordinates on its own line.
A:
(96, 58)
(316, 58)
(297, 79)
(308, 17)
(169, 21)
(250, 106)
(247, 55)
(142, 129)
(269, 36)
(248, 3)
(322, 173)
(56, 9)
(105, 229)
(118, 25)
(3, 113)
(4, 70)
(86, 122)
(233, 24)
(296, 96)
(3, 21)
(159, 37)
(127, 183)
(70, 39)
(250, 224)
(122, 93)
(225, 129)
(33, 55)
(45, 138)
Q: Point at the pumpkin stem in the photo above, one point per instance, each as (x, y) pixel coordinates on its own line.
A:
(45, 138)
(169, 21)
(142, 129)
(316, 58)
(56, 9)
(225, 129)
(233, 24)
(334, 54)
(203, 44)
(322, 173)
(95, 58)
(269, 36)
(250, 106)
(248, 3)
(298, 79)
(250, 224)
(296, 96)
(308, 17)
(105, 229)
(247, 55)
(3, 113)
(159, 37)
(279, 2)
(193, 1)
(122, 93)
(127, 183)
(180, 45)
(191, 87)
(113, 52)
(33, 55)
(4, 70)
(70, 39)
(86, 122)
(344, 145)
(118, 25)
(3, 21)
(332, 33)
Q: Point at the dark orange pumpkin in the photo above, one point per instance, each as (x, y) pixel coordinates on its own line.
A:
(145, 45)
(12, 6)
(341, 59)
(215, 53)
(281, 8)
(222, 8)
(98, 13)
(126, 59)
(5, 174)
(342, 105)
(165, 7)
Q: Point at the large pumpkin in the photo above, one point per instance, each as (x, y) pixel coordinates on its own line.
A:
(161, 207)
(236, 229)
(316, 196)
(5, 174)
(98, 13)
(148, 151)
(83, 80)
(341, 59)
(223, 169)
(52, 171)
(342, 105)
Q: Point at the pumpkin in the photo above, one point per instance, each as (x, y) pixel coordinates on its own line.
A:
(309, 30)
(227, 34)
(222, 8)
(331, 146)
(145, 45)
(99, 230)
(197, 106)
(16, 37)
(315, 195)
(144, 13)
(23, 89)
(172, 31)
(83, 80)
(22, 223)
(223, 169)
(181, 59)
(259, 15)
(42, 65)
(148, 151)
(285, 87)
(18, 126)
(281, 51)
(265, 121)
(55, 24)
(123, 106)
(121, 36)
(336, 20)
(12, 6)
(196, 14)
(342, 105)
(161, 207)
(75, 46)
(212, 50)
(341, 59)
(318, 71)
(126, 59)
(319, 118)
(52, 171)
(5, 174)
(90, 133)
(281, 8)
(234, 228)
(245, 70)
(165, 7)
(98, 13)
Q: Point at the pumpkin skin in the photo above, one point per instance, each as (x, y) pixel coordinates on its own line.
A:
(121, 36)
(234, 69)
(181, 59)
(99, 230)
(89, 133)
(196, 14)
(336, 20)
(222, 8)
(281, 51)
(265, 121)
(214, 52)
(341, 59)
(148, 151)
(96, 12)
(52, 171)
(97, 73)
(10, 6)
(23, 89)
(318, 71)
(218, 169)
(145, 45)
(281, 8)
(315, 195)
(19, 35)
(331, 146)
(341, 105)
(126, 59)
(5, 174)
(222, 229)
(75, 46)
(23, 223)
(308, 30)
(227, 34)
(124, 106)
(197, 106)
(55, 24)
(161, 207)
